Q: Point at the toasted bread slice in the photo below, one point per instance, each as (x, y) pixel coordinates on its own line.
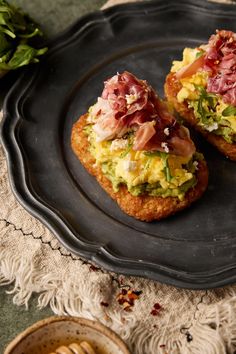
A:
(143, 207)
(172, 87)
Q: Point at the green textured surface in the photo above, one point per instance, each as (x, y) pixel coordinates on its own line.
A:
(53, 17)
(14, 319)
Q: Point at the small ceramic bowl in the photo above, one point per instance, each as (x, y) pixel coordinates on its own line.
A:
(45, 336)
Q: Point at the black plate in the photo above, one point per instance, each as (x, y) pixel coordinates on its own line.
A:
(197, 247)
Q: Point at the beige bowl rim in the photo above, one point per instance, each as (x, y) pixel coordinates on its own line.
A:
(83, 321)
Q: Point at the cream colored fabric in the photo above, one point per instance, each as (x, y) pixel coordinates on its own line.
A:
(189, 322)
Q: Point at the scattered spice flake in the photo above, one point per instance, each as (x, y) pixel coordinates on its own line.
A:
(156, 309)
(157, 306)
(103, 303)
(126, 298)
(132, 295)
(121, 301)
(162, 346)
(154, 312)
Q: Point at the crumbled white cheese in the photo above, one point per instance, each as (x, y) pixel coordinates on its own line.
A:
(131, 98)
(102, 134)
(118, 144)
(167, 131)
(90, 119)
(211, 127)
(195, 164)
(129, 165)
(165, 147)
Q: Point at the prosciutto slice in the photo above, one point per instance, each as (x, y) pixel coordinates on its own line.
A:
(220, 61)
(128, 103)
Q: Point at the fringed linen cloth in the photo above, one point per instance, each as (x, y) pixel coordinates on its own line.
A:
(161, 319)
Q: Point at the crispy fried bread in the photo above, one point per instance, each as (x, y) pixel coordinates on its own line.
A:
(144, 207)
(172, 87)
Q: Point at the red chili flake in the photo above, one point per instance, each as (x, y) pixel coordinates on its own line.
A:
(157, 306)
(121, 301)
(162, 346)
(126, 298)
(105, 304)
(127, 306)
(132, 295)
(154, 312)
(130, 301)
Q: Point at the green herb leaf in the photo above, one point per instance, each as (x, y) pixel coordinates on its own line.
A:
(153, 153)
(25, 55)
(199, 54)
(206, 105)
(164, 157)
(16, 28)
(124, 153)
(229, 111)
(167, 168)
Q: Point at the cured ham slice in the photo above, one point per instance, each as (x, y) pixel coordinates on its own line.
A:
(221, 61)
(129, 104)
(191, 69)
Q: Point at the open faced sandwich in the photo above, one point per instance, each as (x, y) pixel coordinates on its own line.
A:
(138, 152)
(202, 88)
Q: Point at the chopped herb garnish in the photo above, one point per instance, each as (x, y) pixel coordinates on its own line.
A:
(164, 157)
(167, 168)
(229, 111)
(127, 150)
(206, 104)
(199, 54)
(153, 153)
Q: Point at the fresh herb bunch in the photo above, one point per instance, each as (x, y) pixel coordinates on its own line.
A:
(16, 28)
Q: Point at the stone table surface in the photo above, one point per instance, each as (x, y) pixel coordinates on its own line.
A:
(53, 17)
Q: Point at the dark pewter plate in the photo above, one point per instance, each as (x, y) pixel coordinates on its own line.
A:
(195, 248)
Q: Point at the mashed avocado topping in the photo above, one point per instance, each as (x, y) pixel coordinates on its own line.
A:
(153, 172)
(212, 113)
